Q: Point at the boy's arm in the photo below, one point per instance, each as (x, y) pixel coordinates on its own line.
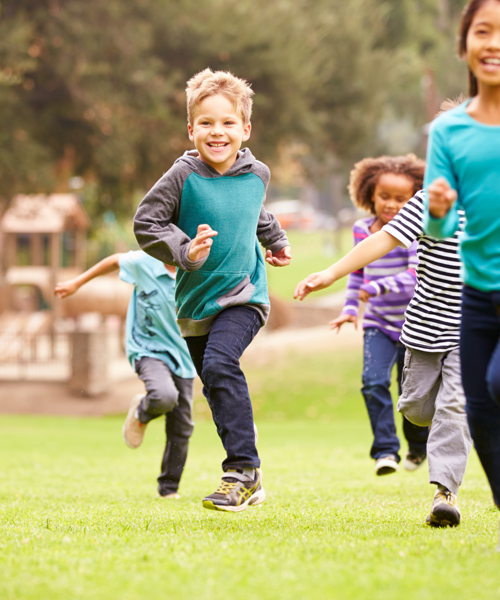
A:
(274, 239)
(105, 266)
(155, 223)
(370, 249)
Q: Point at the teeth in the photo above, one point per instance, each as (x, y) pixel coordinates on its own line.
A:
(492, 61)
(217, 144)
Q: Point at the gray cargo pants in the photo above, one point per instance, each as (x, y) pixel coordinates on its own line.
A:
(432, 394)
(171, 396)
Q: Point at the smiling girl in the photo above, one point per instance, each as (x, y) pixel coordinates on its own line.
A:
(463, 171)
(382, 186)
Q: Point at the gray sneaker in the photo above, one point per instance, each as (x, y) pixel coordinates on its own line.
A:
(133, 430)
(444, 510)
(236, 492)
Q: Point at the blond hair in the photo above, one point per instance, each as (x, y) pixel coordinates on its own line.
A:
(366, 173)
(211, 83)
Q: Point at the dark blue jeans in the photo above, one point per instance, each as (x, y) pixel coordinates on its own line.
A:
(380, 355)
(480, 362)
(216, 357)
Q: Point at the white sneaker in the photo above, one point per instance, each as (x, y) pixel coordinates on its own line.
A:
(413, 461)
(386, 465)
(133, 430)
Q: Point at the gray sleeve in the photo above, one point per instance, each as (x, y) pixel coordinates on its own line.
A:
(155, 222)
(269, 231)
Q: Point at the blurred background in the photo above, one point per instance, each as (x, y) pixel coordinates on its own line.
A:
(92, 113)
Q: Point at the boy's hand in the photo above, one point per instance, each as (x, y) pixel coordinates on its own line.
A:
(200, 246)
(337, 323)
(313, 283)
(66, 289)
(281, 258)
(441, 198)
(364, 296)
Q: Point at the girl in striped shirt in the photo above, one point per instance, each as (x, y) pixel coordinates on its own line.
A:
(382, 186)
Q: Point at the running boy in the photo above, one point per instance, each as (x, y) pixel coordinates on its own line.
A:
(158, 354)
(206, 216)
(382, 186)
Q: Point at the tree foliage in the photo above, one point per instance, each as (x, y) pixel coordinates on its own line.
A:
(96, 88)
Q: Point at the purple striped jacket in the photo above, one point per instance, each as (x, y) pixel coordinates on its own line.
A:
(389, 280)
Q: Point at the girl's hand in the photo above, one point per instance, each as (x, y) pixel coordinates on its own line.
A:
(364, 296)
(200, 246)
(441, 198)
(66, 289)
(337, 323)
(281, 258)
(313, 283)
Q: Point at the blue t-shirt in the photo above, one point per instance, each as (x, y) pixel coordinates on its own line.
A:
(467, 154)
(152, 329)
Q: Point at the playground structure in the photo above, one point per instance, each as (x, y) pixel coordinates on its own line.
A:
(43, 242)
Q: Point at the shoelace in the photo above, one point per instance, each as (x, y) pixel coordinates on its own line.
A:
(226, 487)
(447, 497)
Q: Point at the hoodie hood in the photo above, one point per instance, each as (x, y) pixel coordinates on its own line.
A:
(243, 164)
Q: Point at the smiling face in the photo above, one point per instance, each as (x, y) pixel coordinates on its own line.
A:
(391, 193)
(483, 44)
(218, 132)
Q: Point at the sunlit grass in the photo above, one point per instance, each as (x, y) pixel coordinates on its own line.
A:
(79, 516)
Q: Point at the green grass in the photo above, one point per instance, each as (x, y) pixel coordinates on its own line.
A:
(311, 251)
(79, 517)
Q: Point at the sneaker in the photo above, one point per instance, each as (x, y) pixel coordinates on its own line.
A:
(133, 430)
(236, 492)
(171, 496)
(386, 465)
(413, 460)
(444, 510)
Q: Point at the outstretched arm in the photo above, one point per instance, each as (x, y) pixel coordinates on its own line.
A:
(372, 248)
(105, 266)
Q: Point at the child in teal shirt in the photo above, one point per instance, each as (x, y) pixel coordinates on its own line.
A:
(158, 354)
(463, 170)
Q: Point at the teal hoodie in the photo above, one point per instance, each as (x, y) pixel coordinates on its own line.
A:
(192, 193)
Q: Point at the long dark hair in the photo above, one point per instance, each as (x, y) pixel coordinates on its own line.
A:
(465, 22)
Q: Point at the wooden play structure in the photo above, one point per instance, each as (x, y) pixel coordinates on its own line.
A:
(43, 241)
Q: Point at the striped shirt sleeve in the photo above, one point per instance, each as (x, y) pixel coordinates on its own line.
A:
(407, 226)
(355, 279)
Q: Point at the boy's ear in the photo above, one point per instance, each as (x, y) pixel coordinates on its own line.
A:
(190, 132)
(246, 132)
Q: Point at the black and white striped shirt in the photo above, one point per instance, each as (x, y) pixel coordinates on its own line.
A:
(432, 319)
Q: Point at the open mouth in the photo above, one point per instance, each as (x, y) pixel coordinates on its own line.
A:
(217, 144)
(490, 63)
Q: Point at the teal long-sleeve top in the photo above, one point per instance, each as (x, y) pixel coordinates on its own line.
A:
(467, 154)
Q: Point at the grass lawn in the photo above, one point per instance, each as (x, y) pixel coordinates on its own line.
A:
(311, 251)
(79, 517)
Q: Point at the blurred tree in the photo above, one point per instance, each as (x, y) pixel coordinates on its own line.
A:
(96, 88)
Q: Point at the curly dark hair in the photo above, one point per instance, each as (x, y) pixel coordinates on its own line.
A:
(366, 173)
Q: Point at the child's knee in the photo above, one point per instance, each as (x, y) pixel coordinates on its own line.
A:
(215, 366)
(163, 399)
(416, 413)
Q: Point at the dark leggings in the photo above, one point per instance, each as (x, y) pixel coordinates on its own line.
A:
(480, 360)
